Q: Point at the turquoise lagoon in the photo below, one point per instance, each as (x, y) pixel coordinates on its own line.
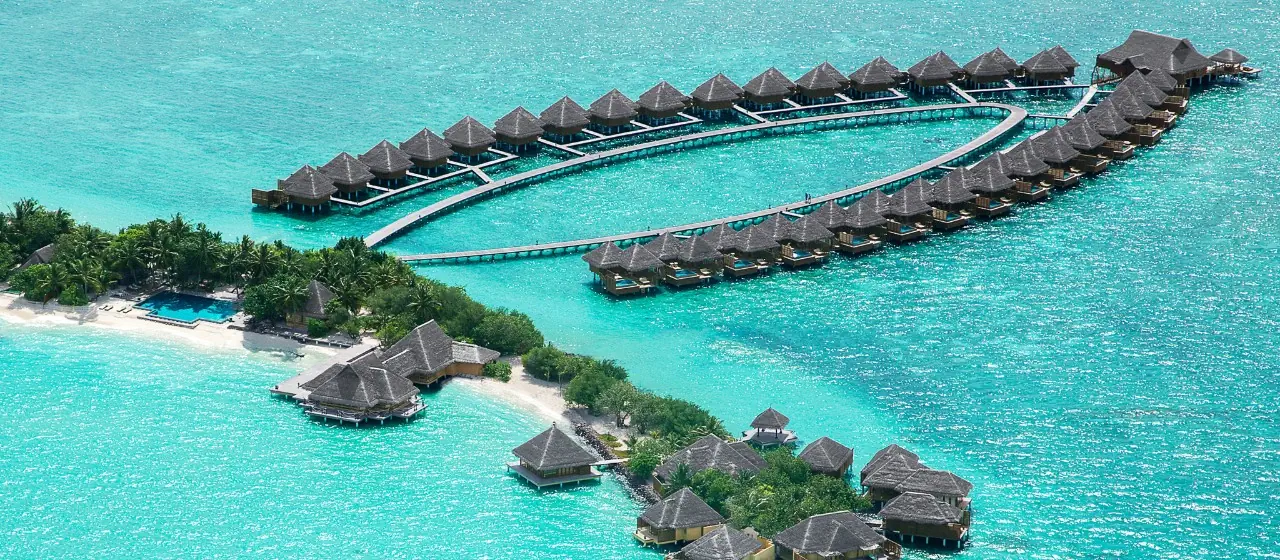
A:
(1101, 366)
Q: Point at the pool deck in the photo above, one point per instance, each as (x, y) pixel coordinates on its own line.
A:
(292, 387)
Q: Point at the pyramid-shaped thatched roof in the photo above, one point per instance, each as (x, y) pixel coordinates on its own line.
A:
(830, 535)
(722, 237)
(1229, 56)
(1054, 148)
(308, 183)
(697, 249)
(469, 134)
(1107, 120)
(386, 158)
(920, 508)
(953, 188)
(663, 98)
(935, 67)
(345, 169)
(868, 211)
(426, 147)
(565, 114)
(755, 238)
(770, 83)
(878, 73)
(937, 483)
(719, 89)
(1024, 162)
(681, 510)
(987, 67)
(607, 255)
(807, 229)
(830, 215)
(636, 258)
(519, 125)
(826, 455)
(613, 106)
(553, 449)
(770, 419)
(1081, 134)
(666, 247)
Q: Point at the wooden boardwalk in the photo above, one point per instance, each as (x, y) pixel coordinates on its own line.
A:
(895, 114)
(292, 387)
(1011, 123)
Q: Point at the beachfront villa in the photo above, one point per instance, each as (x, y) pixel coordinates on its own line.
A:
(709, 452)
(318, 296)
(360, 391)
(726, 543)
(680, 517)
(427, 355)
(554, 458)
(769, 429)
(919, 517)
(829, 536)
(43, 255)
(827, 456)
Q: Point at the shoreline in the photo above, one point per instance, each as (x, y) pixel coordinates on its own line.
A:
(214, 336)
(537, 397)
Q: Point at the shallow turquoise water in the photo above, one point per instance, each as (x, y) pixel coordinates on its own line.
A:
(188, 308)
(1102, 366)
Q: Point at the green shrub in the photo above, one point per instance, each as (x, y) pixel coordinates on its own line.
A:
(73, 297)
(317, 328)
(498, 370)
(642, 463)
(543, 362)
(392, 331)
(586, 387)
(507, 332)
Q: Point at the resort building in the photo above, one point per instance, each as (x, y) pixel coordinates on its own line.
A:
(308, 189)
(469, 138)
(943, 485)
(726, 543)
(988, 69)
(1143, 50)
(1044, 68)
(613, 110)
(917, 517)
(881, 485)
(427, 355)
(564, 118)
(717, 94)
(755, 249)
(875, 77)
(993, 190)
(662, 101)
(1229, 63)
(1065, 59)
(936, 70)
(909, 212)
(386, 162)
(318, 296)
(769, 429)
(604, 259)
(722, 237)
(680, 517)
(864, 223)
(667, 247)
(1085, 140)
(43, 255)
(1023, 189)
(827, 456)
(359, 392)
(639, 270)
(1053, 148)
(1023, 162)
(348, 174)
(427, 151)
(834, 535)
(696, 256)
(883, 456)
(806, 242)
(518, 128)
(770, 87)
(709, 452)
(554, 458)
(820, 83)
(952, 201)
(1106, 121)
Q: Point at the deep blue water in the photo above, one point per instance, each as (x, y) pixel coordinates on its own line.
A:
(1102, 366)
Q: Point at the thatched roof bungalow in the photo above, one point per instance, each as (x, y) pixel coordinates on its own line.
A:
(916, 515)
(680, 517)
(348, 174)
(877, 75)
(1143, 49)
(1065, 59)
(357, 392)
(554, 458)
(662, 101)
(822, 82)
(726, 543)
(612, 110)
(988, 68)
(608, 256)
(883, 456)
(318, 297)
(665, 246)
(769, 428)
(710, 452)
(942, 485)
(717, 94)
(936, 69)
(722, 237)
(1044, 67)
(698, 252)
(427, 150)
(1107, 121)
(830, 535)
(910, 203)
(771, 86)
(427, 355)
(469, 137)
(43, 255)
(518, 128)
(308, 187)
(565, 118)
(386, 161)
(827, 456)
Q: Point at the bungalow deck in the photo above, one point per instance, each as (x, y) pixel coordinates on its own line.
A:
(559, 481)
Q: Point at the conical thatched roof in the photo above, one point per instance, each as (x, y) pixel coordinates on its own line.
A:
(426, 147)
(1129, 106)
(613, 106)
(884, 455)
(607, 255)
(937, 483)
(519, 125)
(1162, 80)
(719, 89)
(830, 535)
(770, 419)
(1007, 61)
(711, 452)
(1064, 58)
(953, 188)
(385, 158)
(1044, 63)
(43, 255)
(636, 258)
(468, 134)
(1081, 134)
(935, 67)
(830, 215)
(1053, 147)
(553, 449)
(868, 211)
(1229, 56)
(1024, 162)
(770, 84)
(877, 74)
(987, 67)
(807, 229)
(345, 169)
(997, 161)
(663, 98)
(890, 472)
(565, 114)
(820, 82)
(681, 510)
(920, 508)
(912, 200)
(989, 179)
(777, 226)
(755, 238)
(1106, 120)
(666, 247)
(722, 237)
(308, 183)
(826, 455)
(697, 249)
(318, 296)
(834, 72)
(1138, 85)
(358, 387)
(725, 543)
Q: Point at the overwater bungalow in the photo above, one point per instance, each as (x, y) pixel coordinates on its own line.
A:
(639, 272)
(518, 129)
(1229, 62)
(875, 77)
(427, 151)
(680, 517)
(1065, 59)
(943, 485)
(952, 201)
(1084, 139)
(989, 69)
(755, 250)
(604, 259)
(1143, 49)
(994, 190)
(770, 87)
(554, 458)
(806, 242)
(1136, 113)
(662, 102)
(710, 452)
(357, 392)
(864, 224)
(43, 255)
(613, 110)
(1044, 68)
(1025, 165)
(308, 188)
(427, 355)
(722, 237)
(830, 536)
(831, 216)
(909, 212)
(564, 118)
(883, 456)
(916, 517)
(726, 543)
(936, 70)
(827, 456)
(1023, 189)
(387, 162)
(1137, 85)
(881, 485)
(318, 296)
(769, 429)
(667, 248)
(348, 174)
(1053, 148)
(1161, 80)
(698, 256)
(821, 83)
(1005, 60)
(1105, 120)
(469, 138)
(717, 94)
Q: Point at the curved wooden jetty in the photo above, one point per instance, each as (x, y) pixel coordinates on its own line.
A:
(818, 122)
(1011, 123)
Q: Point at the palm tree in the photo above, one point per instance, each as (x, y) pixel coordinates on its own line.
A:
(202, 253)
(348, 294)
(130, 256)
(289, 296)
(263, 263)
(424, 302)
(52, 280)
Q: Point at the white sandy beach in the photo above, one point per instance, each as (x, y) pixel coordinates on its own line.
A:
(542, 398)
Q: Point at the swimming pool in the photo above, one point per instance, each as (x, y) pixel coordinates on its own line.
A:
(188, 308)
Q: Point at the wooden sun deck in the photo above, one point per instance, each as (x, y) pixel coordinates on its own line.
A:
(540, 482)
